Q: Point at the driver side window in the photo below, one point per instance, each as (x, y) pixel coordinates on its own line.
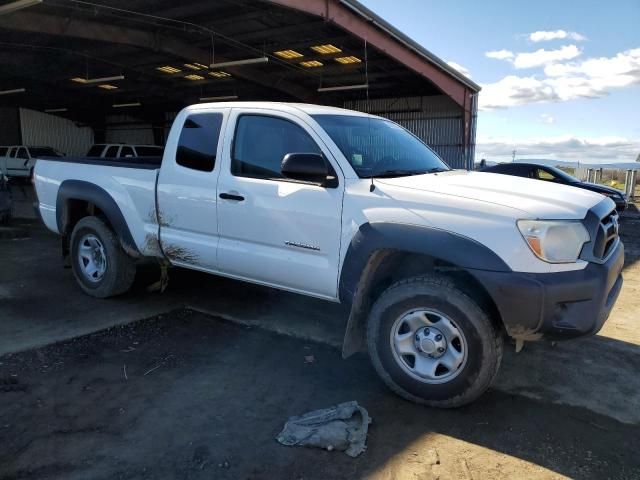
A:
(544, 175)
(261, 142)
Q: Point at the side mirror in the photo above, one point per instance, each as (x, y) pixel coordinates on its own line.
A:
(306, 167)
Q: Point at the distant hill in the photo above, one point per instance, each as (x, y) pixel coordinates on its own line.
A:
(562, 163)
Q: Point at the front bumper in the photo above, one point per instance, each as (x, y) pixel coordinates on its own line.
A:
(556, 306)
(621, 204)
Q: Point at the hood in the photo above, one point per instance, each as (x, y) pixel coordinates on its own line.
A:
(537, 198)
(596, 187)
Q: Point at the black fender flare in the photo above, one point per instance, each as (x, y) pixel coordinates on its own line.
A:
(368, 248)
(98, 196)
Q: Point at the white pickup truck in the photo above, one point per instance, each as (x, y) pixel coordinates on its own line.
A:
(435, 264)
(19, 160)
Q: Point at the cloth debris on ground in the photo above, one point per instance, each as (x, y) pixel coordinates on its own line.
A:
(341, 427)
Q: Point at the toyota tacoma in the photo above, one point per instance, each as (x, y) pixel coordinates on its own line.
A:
(436, 265)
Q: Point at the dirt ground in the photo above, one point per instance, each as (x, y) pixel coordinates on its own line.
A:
(203, 398)
(88, 390)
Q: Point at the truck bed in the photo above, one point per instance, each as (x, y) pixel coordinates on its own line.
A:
(129, 181)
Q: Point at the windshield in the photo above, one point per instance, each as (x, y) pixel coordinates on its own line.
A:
(43, 152)
(563, 175)
(376, 147)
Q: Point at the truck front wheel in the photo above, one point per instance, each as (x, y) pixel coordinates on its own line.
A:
(432, 344)
(100, 266)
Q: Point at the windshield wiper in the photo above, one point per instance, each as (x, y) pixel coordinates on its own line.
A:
(407, 173)
(397, 173)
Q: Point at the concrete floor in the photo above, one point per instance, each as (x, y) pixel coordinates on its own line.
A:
(189, 396)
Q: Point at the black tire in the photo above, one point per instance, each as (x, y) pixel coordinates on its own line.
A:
(120, 268)
(484, 341)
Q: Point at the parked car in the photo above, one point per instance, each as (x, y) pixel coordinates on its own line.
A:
(117, 150)
(553, 174)
(18, 160)
(5, 200)
(434, 264)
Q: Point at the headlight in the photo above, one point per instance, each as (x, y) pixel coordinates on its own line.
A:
(554, 241)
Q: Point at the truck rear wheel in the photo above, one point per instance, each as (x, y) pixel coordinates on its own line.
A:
(100, 266)
(432, 344)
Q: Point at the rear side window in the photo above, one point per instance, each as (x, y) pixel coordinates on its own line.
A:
(112, 151)
(43, 152)
(126, 152)
(198, 142)
(95, 151)
(514, 170)
(3, 151)
(150, 151)
(261, 143)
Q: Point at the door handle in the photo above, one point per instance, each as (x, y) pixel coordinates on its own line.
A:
(231, 196)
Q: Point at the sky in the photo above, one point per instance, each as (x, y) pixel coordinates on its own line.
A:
(560, 79)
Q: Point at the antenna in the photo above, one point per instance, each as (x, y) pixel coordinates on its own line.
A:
(213, 48)
(372, 186)
(366, 75)
(513, 157)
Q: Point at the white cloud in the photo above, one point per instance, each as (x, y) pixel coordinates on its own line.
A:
(547, 35)
(591, 78)
(513, 90)
(623, 63)
(543, 57)
(460, 68)
(500, 54)
(547, 118)
(568, 148)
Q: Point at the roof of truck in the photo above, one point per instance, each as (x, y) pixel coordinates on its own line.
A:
(25, 146)
(308, 108)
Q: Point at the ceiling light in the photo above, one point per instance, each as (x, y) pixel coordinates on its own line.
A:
(121, 105)
(219, 74)
(312, 64)
(221, 97)
(193, 66)
(346, 60)
(194, 77)
(106, 86)
(248, 61)
(288, 54)
(324, 49)
(168, 69)
(345, 87)
(55, 110)
(9, 92)
(19, 5)
(97, 80)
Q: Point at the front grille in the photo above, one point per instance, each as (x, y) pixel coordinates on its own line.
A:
(607, 235)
